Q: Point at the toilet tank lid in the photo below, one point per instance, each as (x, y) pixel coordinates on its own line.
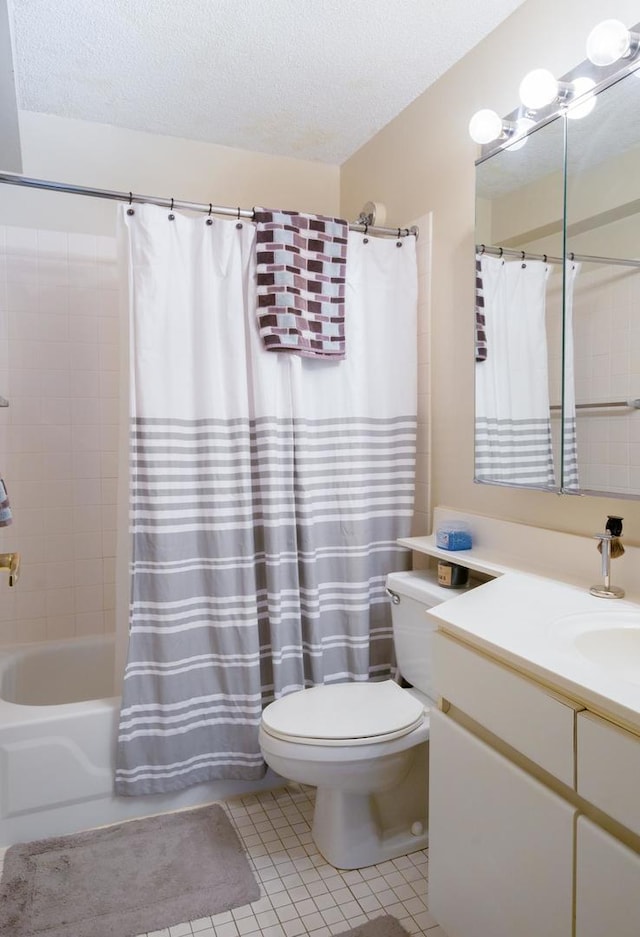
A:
(421, 585)
(344, 712)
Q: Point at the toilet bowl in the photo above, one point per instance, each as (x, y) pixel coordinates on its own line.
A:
(364, 745)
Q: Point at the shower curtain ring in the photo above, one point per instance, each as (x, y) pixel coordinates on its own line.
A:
(210, 219)
(130, 210)
(501, 251)
(238, 222)
(171, 215)
(523, 255)
(481, 249)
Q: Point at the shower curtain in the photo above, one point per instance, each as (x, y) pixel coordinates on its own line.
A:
(570, 476)
(513, 428)
(268, 491)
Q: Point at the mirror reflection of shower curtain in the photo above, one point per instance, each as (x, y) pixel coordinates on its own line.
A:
(512, 426)
(570, 478)
(268, 495)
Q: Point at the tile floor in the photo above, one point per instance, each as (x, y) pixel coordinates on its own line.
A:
(301, 893)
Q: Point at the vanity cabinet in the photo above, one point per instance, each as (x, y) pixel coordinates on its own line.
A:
(607, 884)
(609, 769)
(500, 843)
(534, 721)
(533, 807)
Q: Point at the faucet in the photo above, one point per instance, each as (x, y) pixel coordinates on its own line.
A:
(11, 561)
(606, 590)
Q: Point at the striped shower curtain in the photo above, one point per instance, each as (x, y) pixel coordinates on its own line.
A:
(512, 425)
(268, 491)
(570, 474)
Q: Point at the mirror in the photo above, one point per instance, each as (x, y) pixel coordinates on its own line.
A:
(518, 376)
(566, 392)
(603, 232)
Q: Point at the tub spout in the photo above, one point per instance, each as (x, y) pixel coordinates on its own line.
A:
(11, 562)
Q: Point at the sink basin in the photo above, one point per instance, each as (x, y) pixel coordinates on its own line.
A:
(615, 649)
(610, 640)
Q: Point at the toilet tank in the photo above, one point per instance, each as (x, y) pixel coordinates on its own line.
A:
(413, 593)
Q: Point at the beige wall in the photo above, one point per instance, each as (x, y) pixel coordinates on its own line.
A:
(423, 161)
(106, 157)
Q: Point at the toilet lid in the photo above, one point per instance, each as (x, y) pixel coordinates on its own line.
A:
(344, 714)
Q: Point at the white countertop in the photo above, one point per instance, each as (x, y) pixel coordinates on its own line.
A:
(521, 619)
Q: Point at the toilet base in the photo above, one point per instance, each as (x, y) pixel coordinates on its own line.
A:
(353, 831)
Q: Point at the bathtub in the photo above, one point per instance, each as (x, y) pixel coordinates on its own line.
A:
(58, 729)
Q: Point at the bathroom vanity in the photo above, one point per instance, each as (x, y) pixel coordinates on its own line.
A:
(535, 753)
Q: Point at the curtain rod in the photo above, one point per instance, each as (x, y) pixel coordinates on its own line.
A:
(14, 179)
(583, 258)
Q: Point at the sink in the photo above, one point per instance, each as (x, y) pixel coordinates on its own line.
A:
(615, 649)
(610, 640)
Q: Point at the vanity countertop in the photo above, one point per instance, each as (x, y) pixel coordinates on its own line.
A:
(531, 623)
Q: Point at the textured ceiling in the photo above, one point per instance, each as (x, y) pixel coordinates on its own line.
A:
(313, 79)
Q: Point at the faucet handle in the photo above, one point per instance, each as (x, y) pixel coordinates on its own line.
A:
(11, 562)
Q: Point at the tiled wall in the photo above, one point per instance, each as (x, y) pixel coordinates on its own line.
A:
(59, 360)
(606, 332)
(607, 368)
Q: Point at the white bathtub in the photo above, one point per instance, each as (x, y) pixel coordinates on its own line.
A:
(58, 728)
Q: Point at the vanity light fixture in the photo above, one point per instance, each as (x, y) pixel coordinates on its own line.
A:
(519, 136)
(581, 88)
(544, 97)
(611, 40)
(486, 126)
(539, 88)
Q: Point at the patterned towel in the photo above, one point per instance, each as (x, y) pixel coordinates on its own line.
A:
(481, 335)
(6, 516)
(301, 266)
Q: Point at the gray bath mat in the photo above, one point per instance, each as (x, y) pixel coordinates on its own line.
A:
(124, 880)
(385, 926)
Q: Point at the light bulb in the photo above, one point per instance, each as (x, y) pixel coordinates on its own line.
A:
(522, 125)
(538, 88)
(607, 42)
(485, 126)
(580, 87)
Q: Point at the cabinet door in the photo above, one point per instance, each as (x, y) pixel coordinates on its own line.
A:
(500, 843)
(607, 884)
(519, 711)
(609, 769)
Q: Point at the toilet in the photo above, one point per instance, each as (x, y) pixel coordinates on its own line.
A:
(364, 746)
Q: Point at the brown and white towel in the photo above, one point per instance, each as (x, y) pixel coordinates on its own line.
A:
(481, 334)
(301, 268)
(6, 516)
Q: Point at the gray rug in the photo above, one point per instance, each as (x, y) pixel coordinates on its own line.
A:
(386, 926)
(124, 880)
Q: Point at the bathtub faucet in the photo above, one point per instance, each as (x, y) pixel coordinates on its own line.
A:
(11, 561)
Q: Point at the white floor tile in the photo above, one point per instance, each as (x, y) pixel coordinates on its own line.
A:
(301, 894)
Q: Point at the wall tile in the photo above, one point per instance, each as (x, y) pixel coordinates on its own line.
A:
(607, 349)
(59, 362)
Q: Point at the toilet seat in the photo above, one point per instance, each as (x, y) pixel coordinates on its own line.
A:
(344, 714)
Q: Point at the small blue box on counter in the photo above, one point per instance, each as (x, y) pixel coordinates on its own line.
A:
(455, 536)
